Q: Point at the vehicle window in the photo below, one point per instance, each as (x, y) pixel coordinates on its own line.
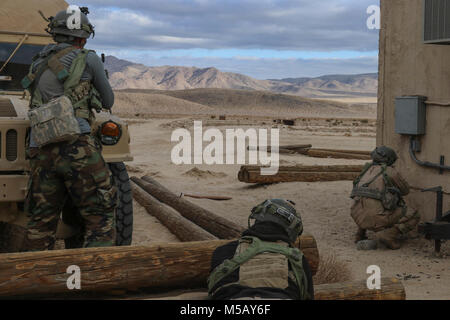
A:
(19, 65)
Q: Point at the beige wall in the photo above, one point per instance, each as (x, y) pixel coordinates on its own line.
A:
(409, 67)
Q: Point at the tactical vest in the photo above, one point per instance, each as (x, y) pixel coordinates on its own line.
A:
(82, 94)
(390, 196)
(262, 264)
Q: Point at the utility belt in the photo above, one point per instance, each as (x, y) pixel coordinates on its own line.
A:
(389, 198)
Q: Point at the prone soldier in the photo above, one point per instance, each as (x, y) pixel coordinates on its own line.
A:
(263, 264)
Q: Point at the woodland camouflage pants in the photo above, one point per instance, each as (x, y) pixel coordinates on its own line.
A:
(77, 171)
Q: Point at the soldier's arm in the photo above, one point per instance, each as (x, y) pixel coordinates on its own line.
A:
(99, 80)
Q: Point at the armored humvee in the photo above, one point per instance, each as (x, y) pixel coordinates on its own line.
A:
(21, 37)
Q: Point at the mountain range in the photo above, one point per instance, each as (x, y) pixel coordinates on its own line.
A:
(128, 75)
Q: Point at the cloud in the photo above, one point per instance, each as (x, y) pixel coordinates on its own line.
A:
(246, 24)
(260, 38)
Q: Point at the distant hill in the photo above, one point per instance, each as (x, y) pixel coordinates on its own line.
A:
(230, 101)
(128, 75)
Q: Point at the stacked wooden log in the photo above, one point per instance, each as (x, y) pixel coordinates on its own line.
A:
(306, 149)
(155, 268)
(190, 222)
(216, 225)
(252, 174)
(336, 154)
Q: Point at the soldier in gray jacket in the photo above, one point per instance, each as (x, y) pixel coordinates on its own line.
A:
(72, 169)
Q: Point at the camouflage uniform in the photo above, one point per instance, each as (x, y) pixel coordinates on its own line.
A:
(76, 170)
(72, 171)
(371, 214)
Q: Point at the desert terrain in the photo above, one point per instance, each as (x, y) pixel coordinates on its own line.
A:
(129, 75)
(324, 206)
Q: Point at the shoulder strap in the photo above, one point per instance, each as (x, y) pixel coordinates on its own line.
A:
(76, 71)
(57, 67)
(382, 172)
(366, 168)
(52, 62)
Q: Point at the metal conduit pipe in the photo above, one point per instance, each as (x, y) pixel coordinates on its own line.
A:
(424, 163)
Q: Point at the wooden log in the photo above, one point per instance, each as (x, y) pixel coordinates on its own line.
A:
(158, 267)
(391, 289)
(367, 153)
(286, 149)
(211, 222)
(308, 245)
(252, 174)
(181, 227)
(316, 153)
(301, 168)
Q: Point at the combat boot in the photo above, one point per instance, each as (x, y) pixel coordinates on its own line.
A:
(360, 235)
(390, 238)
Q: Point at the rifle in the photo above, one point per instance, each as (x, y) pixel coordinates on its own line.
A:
(106, 71)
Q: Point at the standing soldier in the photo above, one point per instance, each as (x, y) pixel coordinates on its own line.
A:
(66, 82)
(263, 263)
(378, 201)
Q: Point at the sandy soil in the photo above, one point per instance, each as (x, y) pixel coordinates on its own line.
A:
(324, 206)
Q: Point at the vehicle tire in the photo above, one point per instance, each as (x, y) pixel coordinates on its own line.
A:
(124, 211)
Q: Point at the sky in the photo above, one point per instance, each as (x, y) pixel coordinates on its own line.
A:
(264, 39)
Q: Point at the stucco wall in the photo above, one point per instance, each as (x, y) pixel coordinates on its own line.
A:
(409, 67)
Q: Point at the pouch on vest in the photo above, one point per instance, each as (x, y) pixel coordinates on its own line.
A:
(54, 122)
(390, 199)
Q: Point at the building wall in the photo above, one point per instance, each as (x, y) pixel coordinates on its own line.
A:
(409, 67)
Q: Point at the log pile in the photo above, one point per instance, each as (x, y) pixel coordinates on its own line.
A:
(252, 174)
(186, 226)
(164, 266)
(211, 222)
(152, 269)
(182, 228)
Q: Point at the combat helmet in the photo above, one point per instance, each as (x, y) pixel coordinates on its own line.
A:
(384, 155)
(59, 24)
(280, 212)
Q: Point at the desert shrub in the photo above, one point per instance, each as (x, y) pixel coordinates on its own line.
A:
(331, 270)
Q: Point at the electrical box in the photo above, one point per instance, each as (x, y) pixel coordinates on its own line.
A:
(410, 115)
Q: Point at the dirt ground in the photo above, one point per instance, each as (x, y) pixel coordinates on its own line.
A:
(324, 206)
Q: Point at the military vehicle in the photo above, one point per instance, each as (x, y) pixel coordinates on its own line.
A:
(22, 35)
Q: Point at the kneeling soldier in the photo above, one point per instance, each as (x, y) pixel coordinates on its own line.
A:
(378, 201)
(263, 264)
